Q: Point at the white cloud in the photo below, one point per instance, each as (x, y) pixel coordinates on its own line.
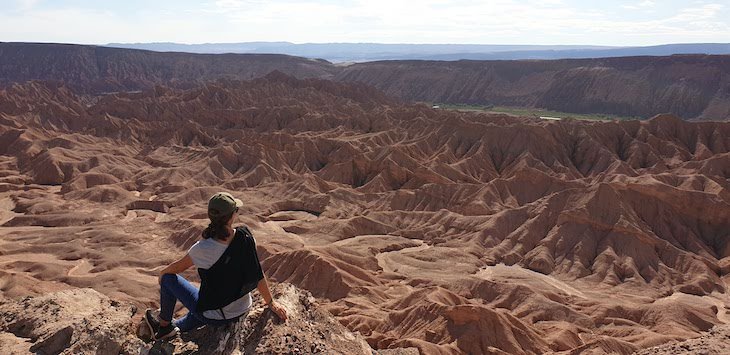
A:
(399, 20)
(90, 26)
(387, 21)
(703, 12)
(646, 4)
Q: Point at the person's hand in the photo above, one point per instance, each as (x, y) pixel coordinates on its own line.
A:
(279, 310)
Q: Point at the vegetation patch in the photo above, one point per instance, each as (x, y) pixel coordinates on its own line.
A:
(532, 112)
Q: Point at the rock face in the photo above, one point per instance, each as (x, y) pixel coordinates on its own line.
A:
(689, 86)
(444, 231)
(155, 205)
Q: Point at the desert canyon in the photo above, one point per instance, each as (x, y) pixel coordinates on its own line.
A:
(405, 228)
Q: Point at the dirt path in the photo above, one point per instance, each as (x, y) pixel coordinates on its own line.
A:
(82, 268)
(385, 259)
(277, 227)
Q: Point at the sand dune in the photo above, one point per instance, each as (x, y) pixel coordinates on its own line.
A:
(445, 231)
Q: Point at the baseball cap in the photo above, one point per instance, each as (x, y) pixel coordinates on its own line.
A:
(222, 204)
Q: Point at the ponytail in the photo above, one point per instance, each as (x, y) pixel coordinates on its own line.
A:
(217, 229)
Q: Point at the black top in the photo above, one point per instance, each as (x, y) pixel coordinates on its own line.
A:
(236, 273)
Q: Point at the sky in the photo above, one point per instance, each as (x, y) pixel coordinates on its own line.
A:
(547, 22)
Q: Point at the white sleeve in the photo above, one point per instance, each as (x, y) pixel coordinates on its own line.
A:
(194, 253)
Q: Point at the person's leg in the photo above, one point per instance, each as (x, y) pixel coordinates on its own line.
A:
(173, 288)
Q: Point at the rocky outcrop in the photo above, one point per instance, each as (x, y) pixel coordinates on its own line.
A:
(72, 321)
(715, 342)
(83, 321)
(154, 205)
(307, 330)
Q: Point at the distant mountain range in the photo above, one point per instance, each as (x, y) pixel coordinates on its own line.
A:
(364, 52)
(690, 86)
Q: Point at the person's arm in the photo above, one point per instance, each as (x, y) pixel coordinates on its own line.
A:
(177, 267)
(263, 287)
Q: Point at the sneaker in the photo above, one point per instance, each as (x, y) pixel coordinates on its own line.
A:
(151, 319)
(159, 333)
(166, 332)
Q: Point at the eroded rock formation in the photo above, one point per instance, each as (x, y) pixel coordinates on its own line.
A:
(444, 231)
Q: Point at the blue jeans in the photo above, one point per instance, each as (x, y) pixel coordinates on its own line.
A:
(175, 288)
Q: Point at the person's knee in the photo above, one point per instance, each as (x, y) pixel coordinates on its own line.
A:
(169, 278)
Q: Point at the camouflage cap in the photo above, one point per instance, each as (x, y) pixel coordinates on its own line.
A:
(222, 204)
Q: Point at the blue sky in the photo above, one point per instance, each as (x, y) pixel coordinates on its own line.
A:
(618, 23)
